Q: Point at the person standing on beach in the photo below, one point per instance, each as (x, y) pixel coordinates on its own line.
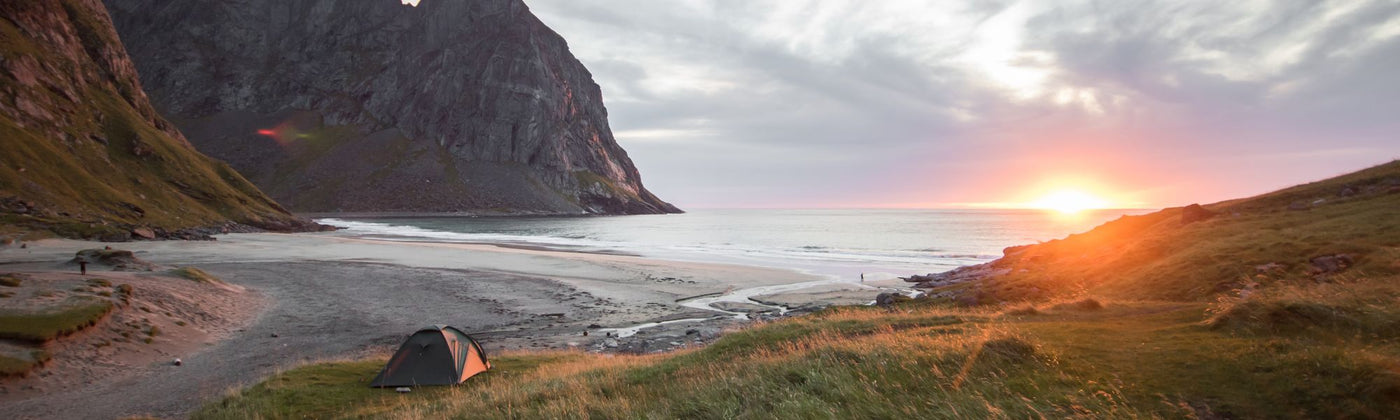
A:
(862, 277)
(82, 267)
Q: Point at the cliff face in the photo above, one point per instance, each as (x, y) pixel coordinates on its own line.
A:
(83, 153)
(371, 105)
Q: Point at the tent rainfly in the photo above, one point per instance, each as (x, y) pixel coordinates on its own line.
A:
(437, 355)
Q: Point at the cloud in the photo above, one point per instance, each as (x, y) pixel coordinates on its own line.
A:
(819, 103)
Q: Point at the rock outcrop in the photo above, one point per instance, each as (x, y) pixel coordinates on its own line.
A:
(376, 106)
(82, 151)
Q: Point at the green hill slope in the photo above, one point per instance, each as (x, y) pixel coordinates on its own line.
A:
(1142, 317)
(84, 153)
(1339, 227)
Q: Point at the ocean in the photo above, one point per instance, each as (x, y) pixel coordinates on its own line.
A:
(837, 244)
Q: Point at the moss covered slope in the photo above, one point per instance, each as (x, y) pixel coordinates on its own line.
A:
(84, 153)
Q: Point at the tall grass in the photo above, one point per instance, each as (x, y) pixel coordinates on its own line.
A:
(1124, 359)
(39, 327)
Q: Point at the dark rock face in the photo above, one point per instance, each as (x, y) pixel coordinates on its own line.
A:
(1327, 264)
(371, 105)
(959, 275)
(82, 151)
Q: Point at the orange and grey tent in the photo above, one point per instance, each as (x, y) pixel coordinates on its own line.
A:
(437, 355)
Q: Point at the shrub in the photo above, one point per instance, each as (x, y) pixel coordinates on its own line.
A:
(10, 280)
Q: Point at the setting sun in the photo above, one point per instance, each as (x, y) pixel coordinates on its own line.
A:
(1069, 201)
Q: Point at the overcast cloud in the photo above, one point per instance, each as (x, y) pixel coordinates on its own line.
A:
(907, 103)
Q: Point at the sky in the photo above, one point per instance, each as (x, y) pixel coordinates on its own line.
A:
(911, 104)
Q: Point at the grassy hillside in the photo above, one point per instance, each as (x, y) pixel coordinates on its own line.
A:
(85, 154)
(1142, 317)
(1280, 238)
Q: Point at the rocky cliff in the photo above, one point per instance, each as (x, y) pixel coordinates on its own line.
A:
(376, 106)
(83, 153)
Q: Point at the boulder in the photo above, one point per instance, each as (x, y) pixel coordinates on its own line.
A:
(143, 233)
(1008, 251)
(1327, 264)
(917, 278)
(118, 259)
(1270, 268)
(959, 275)
(889, 298)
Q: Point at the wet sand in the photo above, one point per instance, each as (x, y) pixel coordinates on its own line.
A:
(327, 296)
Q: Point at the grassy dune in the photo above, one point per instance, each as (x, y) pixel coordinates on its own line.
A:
(22, 364)
(1142, 317)
(40, 327)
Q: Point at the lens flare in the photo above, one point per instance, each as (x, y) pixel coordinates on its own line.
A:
(1069, 202)
(283, 134)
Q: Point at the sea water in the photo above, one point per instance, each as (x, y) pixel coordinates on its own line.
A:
(838, 244)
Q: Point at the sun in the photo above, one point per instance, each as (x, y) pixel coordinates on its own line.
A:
(1069, 201)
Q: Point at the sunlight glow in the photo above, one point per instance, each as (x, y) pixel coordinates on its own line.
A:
(1069, 201)
(996, 51)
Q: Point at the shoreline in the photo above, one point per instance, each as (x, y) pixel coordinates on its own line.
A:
(331, 296)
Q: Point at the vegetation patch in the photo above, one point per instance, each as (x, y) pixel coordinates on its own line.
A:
(196, 275)
(1026, 310)
(11, 280)
(1086, 304)
(341, 390)
(73, 315)
(21, 365)
(1348, 309)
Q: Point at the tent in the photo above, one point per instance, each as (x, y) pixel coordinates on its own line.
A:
(437, 355)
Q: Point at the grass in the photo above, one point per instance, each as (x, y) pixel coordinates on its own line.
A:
(38, 327)
(341, 389)
(21, 366)
(196, 275)
(1341, 310)
(1126, 359)
(1155, 256)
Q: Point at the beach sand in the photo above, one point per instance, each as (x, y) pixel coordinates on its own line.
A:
(323, 296)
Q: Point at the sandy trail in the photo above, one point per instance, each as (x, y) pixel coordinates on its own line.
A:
(330, 297)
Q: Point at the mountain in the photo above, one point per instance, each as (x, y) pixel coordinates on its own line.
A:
(86, 155)
(376, 106)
